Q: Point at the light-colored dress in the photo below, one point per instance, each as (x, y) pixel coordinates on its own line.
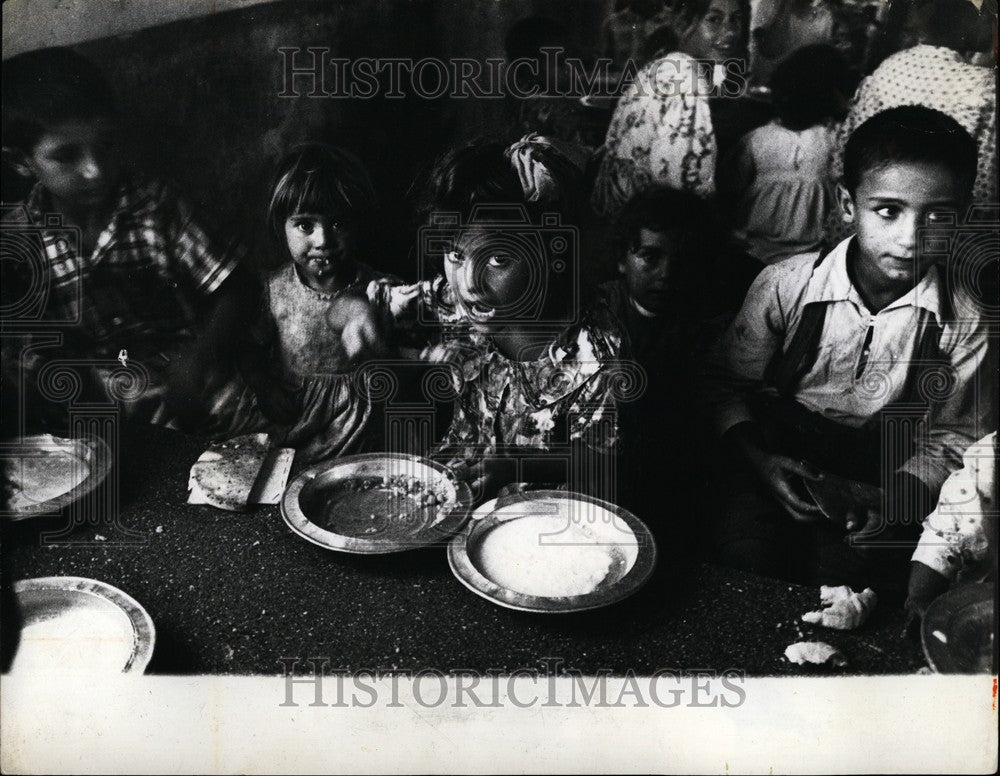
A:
(955, 540)
(783, 189)
(301, 330)
(660, 135)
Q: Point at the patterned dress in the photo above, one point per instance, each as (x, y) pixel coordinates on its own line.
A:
(661, 135)
(567, 394)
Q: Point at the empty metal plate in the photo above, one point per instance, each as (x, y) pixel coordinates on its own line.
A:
(376, 503)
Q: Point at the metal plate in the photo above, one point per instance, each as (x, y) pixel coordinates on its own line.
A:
(81, 625)
(73, 468)
(329, 504)
(958, 631)
(553, 551)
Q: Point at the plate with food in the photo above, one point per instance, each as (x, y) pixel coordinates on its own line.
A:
(958, 631)
(78, 625)
(553, 551)
(47, 473)
(376, 503)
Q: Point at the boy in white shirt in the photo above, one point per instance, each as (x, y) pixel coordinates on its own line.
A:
(854, 364)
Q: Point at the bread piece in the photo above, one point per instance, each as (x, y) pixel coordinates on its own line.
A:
(226, 472)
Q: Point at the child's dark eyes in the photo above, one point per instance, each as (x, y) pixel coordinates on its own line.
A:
(887, 211)
(308, 225)
(499, 261)
(65, 155)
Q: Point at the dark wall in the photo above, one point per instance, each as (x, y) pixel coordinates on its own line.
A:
(201, 95)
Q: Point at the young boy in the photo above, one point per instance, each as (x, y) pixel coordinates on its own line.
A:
(124, 262)
(663, 244)
(830, 365)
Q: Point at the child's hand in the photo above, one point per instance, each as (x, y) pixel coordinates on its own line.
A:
(486, 476)
(779, 473)
(863, 519)
(361, 332)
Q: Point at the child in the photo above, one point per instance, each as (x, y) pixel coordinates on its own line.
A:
(128, 270)
(665, 242)
(827, 351)
(955, 543)
(781, 184)
(626, 30)
(537, 393)
(664, 131)
(317, 324)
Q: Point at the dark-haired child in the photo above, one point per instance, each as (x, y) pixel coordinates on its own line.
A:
(665, 244)
(782, 186)
(537, 395)
(318, 324)
(835, 366)
(143, 278)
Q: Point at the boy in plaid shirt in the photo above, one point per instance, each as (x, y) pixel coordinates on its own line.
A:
(125, 264)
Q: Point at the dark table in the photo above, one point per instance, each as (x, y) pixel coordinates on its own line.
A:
(234, 593)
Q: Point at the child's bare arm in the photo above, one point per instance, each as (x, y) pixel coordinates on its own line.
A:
(925, 585)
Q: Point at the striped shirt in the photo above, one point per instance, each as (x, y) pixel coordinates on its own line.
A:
(141, 286)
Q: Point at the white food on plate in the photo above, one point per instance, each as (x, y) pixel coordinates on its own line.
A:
(41, 478)
(76, 640)
(545, 555)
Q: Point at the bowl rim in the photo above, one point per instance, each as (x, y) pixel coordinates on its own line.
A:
(939, 615)
(97, 452)
(143, 629)
(302, 526)
(483, 520)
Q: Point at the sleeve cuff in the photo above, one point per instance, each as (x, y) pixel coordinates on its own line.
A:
(934, 552)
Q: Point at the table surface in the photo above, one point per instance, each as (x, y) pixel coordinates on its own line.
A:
(234, 593)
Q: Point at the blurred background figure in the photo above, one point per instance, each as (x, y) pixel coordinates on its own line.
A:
(626, 30)
(934, 73)
(543, 102)
(792, 25)
(664, 129)
(781, 190)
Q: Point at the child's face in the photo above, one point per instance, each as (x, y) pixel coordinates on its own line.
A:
(317, 243)
(77, 163)
(491, 278)
(888, 208)
(716, 35)
(647, 268)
